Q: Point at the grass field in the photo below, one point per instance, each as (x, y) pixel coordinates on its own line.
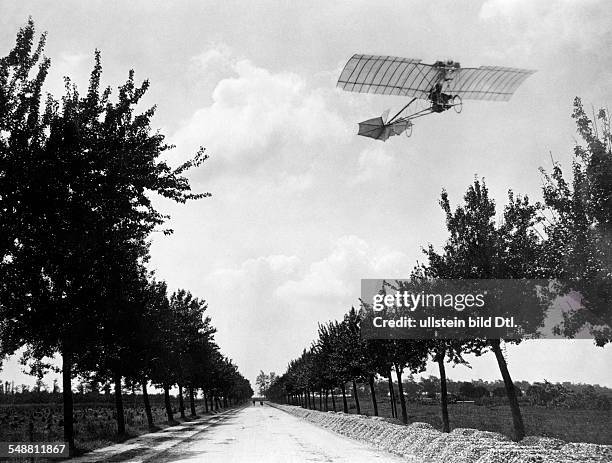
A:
(94, 424)
(570, 425)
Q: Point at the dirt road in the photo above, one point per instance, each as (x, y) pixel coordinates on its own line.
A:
(251, 434)
(265, 434)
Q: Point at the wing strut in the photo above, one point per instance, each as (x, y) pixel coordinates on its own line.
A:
(401, 111)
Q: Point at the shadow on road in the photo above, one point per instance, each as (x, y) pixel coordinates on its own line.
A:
(179, 452)
(154, 447)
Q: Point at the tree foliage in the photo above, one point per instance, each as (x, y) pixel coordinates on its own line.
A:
(76, 180)
(579, 231)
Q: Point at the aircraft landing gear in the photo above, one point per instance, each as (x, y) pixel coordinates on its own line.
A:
(457, 104)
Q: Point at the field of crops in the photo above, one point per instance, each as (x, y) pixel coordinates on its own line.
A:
(94, 424)
(570, 425)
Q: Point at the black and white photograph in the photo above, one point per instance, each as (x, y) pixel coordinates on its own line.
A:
(283, 231)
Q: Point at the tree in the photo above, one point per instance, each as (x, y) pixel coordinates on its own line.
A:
(430, 386)
(192, 333)
(75, 205)
(331, 353)
(350, 352)
(425, 279)
(324, 348)
(470, 391)
(379, 353)
(579, 245)
(263, 382)
(410, 354)
(478, 248)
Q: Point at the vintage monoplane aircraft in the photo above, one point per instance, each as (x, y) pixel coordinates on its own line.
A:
(443, 85)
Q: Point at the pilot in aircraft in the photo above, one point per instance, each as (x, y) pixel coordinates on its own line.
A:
(439, 100)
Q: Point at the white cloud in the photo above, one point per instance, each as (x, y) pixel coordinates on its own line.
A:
(374, 163)
(254, 274)
(549, 24)
(257, 116)
(217, 57)
(283, 298)
(335, 279)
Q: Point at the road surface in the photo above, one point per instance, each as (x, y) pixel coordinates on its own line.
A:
(251, 434)
(266, 434)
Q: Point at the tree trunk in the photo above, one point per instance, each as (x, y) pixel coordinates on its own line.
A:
(517, 419)
(344, 398)
(192, 401)
(168, 404)
(68, 401)
(119, 406)
(321, 400)
(333, 399)
(147, 404)
(400, 387)
(392, 396)
(326, 400)
(443, 393)
(181, 402)
(373, 394)
(205, 402)
(357, 408)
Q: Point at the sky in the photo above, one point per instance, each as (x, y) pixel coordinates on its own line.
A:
(302, 208)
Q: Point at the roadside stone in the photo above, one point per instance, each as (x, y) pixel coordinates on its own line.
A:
(420, 442)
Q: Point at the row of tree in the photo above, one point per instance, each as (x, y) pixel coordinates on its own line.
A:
(568, 240)
(76, 180)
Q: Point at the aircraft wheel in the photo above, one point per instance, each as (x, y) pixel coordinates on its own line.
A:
(457, 104)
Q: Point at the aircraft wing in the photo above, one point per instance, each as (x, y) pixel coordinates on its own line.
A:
(492, 83)
(388, 75)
